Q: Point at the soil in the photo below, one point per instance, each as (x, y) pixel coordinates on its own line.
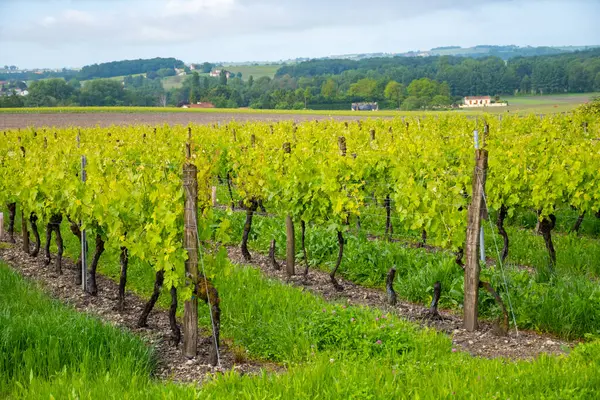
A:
(172, 365)
(15, 121)
(486, 342)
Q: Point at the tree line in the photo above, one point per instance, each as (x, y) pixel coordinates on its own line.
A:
(400, 82)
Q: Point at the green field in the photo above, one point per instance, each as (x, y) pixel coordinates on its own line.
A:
(257, 71)
(172, 82)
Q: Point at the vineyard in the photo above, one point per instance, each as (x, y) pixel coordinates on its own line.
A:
(382, 204)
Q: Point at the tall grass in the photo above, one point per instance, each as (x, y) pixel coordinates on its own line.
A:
(40, 339)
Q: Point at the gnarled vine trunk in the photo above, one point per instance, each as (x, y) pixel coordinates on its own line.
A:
(158, 283)
(54, 227)
(500, 224)
(36, 234)
(124, 259)
(545, 228)
(92, 287)
(12, 214)
(272, 258)
(175, 330)
(335, 283)
(578, 223)
(247, 226)
(389, 287)
(433, 308)
(504, 324)
(230, 191)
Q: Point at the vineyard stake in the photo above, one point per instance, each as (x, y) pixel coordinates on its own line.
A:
(290, 245)
(481, 231)
(472, 267)
(83, 234)
(190, 244)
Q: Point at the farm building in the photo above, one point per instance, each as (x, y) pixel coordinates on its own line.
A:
(217, 73)
(365, 107)
(477, 101)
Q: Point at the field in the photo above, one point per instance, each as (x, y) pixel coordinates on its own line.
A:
(256, 71)
(106, 116)
(307, 305)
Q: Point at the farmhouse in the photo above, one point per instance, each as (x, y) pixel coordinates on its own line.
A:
(477, 101)
(217, 73)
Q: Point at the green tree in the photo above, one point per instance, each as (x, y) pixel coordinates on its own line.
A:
(365, 89)
(206, 67)
(329, 89)
(306, 97)
(223, 78)
(102, 92)
(394, 91)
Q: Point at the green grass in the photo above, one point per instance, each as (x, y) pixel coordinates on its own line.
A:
(332, 351)
(567, 305)
(48, 349)
(172, 82)
(256, 71)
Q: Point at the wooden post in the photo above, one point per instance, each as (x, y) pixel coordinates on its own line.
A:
(190, 244)
(290, 245)
(1, 225)
(472, 267)
(83, 233)
(25, 232)
(213, 196)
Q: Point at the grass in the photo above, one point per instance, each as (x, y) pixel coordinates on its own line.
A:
(332, 351)
(172, 82)
(567, 305)
(256, 71)
(48, 349)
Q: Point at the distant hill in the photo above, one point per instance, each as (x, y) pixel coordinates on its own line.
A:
(503, 52)
(103, 70)
(127, 67)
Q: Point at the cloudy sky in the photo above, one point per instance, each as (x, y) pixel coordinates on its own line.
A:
(58, 33)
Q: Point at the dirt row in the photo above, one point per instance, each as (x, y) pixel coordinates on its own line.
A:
(61, 120)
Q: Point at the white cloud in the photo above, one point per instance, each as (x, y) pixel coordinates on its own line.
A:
(77, 32)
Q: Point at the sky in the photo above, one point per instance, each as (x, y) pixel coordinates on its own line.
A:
(73, 33)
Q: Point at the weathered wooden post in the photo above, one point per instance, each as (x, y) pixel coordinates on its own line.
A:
(290, 246)
(213, 196)
(472, 267)
(190, 244)
(25, 232)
